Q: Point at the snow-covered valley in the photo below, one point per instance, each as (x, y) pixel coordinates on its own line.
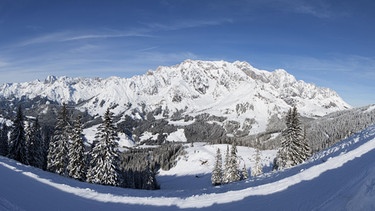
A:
(338, 178)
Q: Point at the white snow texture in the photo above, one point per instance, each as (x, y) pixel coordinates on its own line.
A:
(339, 178)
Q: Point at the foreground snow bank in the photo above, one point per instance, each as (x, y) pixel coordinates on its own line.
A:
(342, 177)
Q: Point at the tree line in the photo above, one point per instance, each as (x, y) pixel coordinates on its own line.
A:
(67, 154)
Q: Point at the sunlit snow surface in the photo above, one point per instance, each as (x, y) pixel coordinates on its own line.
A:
(237, 91)
(339, 178)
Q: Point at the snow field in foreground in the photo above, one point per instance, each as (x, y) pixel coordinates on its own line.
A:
(341, 177)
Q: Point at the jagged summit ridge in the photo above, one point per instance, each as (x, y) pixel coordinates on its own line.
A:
(236, 91)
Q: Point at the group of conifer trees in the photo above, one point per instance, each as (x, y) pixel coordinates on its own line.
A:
(23, 143)
(66, 148)
(294, 150)
(66, 153)
(228, 171)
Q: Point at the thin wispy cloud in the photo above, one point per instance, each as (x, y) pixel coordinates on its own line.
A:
(147, 49)
(45, 38)
(183, 24)
(66, 36)
(316, 11)
(317, 8)
(104, 36)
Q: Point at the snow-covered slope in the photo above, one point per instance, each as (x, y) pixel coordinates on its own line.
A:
(339, 178)
(236, 91)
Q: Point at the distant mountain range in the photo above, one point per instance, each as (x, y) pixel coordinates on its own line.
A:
(208, 99)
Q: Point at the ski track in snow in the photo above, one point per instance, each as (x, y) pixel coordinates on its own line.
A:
(346, 151)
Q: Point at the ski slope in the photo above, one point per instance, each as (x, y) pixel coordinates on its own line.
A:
(339, 178)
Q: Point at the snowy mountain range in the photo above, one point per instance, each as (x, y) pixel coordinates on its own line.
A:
(235, 97)
(200, 102)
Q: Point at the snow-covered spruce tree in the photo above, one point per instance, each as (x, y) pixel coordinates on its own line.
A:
(104, 163)
(225, 178)
(217, 172)
(47, 134)
(57, 159)
(303, 151)
(294, 148)
(257, 169)
(77, 158)
(4, 146)
(27, 127)
(18, 148)
(244, 173)
(35, 145)
(233, 171)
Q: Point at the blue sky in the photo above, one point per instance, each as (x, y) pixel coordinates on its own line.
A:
(330, 43)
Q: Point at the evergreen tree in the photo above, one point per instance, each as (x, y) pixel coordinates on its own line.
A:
(57, 159)
(306, 151)
(225, 178)
(18, 148)
(77, 161)
(244, 173)
(233, 171)
(35, 145)
(284, 155)
(281, 158)
(257, 169)
(217, 173)
(104, 163)
(302, 149)
(47, 133)
(4, 146)
(27, 127)
(294, 147)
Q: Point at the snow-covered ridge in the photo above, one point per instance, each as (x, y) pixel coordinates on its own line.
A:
(235, 90)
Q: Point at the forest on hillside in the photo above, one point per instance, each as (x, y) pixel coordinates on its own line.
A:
(56, 143)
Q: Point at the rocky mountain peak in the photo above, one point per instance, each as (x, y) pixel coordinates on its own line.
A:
(50, 79)
(232, 92)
